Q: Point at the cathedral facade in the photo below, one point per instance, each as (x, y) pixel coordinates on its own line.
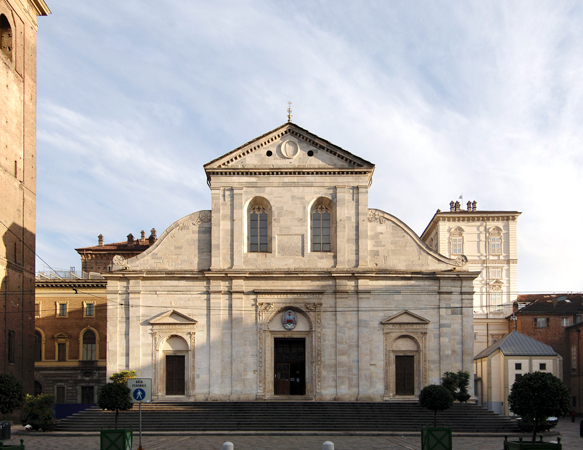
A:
(290, 287)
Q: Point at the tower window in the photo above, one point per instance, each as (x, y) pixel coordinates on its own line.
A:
(5, 37)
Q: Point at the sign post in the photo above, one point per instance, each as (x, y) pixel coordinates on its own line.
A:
(140, 391)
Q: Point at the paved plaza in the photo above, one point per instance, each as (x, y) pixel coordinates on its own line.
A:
(568, 431)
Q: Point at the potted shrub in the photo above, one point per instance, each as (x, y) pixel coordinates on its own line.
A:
(537, 396)
(11, 398)
(457, 384)
(38, 412)
(463, 379)
(436, 398)
(115, 396)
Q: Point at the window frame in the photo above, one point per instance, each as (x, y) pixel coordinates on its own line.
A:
(545, 321)
(456, 241)
(321, 206)
(91, 349)
(565, 321)
(259, 230)
(86, 305)
(58, 308)
(495, 241)
(37, 309)
(7, 34)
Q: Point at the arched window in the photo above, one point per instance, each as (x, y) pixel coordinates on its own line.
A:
(495, 241)
(89, 346)
(457, 241)
(38, 346)
(5, 37)
(38, 388)
(322, 225)
(259, 225)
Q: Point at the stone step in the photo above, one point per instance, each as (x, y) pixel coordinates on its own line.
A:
(289, 416)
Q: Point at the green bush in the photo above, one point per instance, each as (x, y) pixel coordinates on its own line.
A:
(435, 398)
(539, 395)
(115, 397)
(123, 376)
(38, 411)
(457, 384)
(11, 393)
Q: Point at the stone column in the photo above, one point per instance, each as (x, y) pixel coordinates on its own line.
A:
(445, 295)
(341, 226)
(215, 339)
(362, 226)
(238, 227)
(134, 326)
(238, 351)
(342, 362)
(364, 341)
(216, 195)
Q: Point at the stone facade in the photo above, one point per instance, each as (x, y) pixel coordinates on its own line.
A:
(70, 338)
(488, 240)
(18, 26)
(289, 287)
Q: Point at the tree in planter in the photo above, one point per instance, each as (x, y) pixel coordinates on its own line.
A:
(539, 395)
(38, 411)
(435, 398)
(115, 397)
(123, 376)
(457, 384)
(12, 394)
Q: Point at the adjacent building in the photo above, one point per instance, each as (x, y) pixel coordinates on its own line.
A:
(70, 337)
(291, 286)
(548, 318)
(575, 342)
(488, 240)
(18, 26)
(497, 368)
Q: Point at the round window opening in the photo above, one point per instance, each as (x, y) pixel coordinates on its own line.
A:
(310, 153)
(269, 153)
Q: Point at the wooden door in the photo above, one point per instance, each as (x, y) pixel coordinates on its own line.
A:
(405, 375)
(282, 379)
(175, 375)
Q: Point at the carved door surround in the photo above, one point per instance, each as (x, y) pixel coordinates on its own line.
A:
(164, 327)
(405, 334)
(272, 305)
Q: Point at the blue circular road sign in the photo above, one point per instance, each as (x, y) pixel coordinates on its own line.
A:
(139, 394)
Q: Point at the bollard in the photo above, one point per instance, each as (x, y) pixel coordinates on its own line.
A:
(228, 446)
(328, 445)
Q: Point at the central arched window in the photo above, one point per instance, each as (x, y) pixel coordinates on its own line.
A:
(259, 231)
(5, 37)
(322, 225)
(89, 346)
(321, 219)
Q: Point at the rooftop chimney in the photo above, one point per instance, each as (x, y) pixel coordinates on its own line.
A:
(130, 238)
(152, 237)
(474, 205)
(100, 240)
(452, 206)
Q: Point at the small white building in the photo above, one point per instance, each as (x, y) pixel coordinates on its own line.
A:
(497, 367)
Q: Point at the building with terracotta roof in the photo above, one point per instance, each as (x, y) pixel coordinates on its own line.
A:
(99, 258)
(548, 318)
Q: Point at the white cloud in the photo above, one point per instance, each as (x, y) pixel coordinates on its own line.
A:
(479, 98)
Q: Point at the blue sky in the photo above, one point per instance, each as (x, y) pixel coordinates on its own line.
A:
(448, 97)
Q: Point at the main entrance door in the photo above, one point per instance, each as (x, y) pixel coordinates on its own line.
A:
(290, 366)
(405, 375)
(174, 374)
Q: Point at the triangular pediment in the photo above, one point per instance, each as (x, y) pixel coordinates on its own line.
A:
(405, 317)
(288, 148)
(172, 318)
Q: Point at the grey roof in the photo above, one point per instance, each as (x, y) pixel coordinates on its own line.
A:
(518, 344)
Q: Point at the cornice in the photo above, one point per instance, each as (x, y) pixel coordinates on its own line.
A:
(477, 217)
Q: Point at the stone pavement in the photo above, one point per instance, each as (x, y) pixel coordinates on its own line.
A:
(568, 431)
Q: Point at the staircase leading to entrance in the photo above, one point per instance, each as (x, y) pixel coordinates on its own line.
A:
(290, 417)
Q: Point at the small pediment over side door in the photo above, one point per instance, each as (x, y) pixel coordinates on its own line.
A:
(405, 317)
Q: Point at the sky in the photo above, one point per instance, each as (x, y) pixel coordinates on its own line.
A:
(446, 98)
